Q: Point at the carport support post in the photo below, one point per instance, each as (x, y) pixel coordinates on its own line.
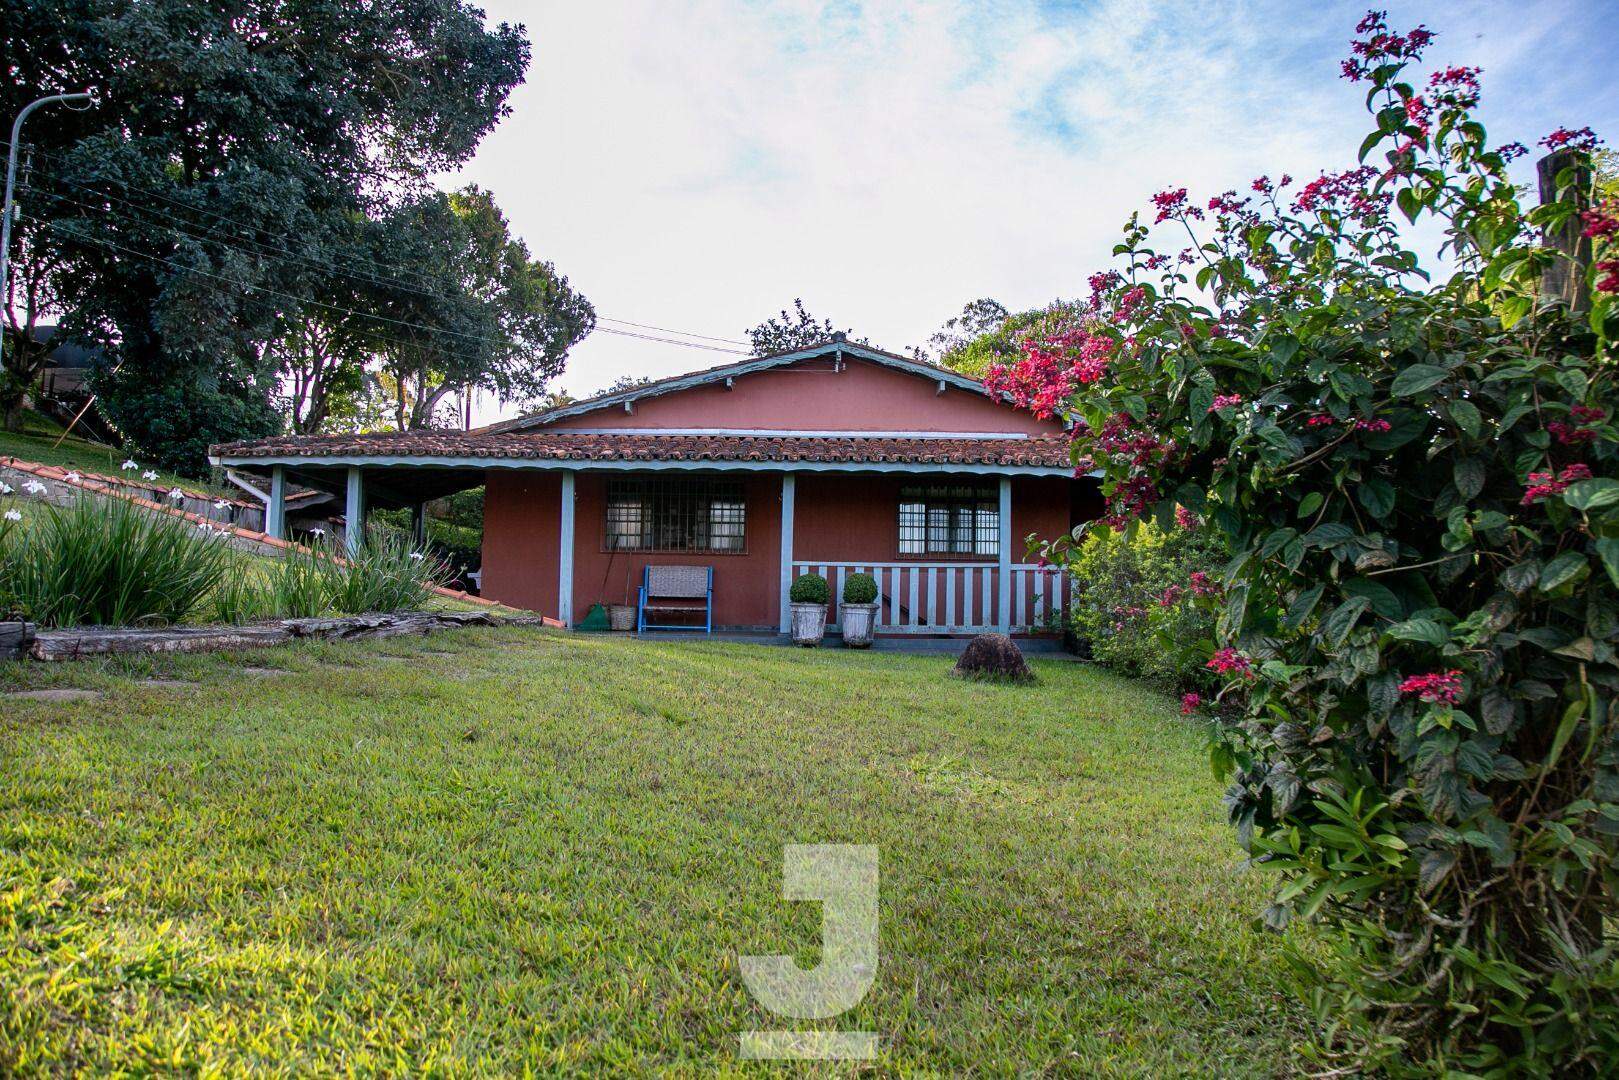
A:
(418, 524)
(789, 486)
(565, 553)
(354, 511)
(275, 514)
(1003, 620)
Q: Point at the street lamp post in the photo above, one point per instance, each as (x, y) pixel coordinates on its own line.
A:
(11, 179)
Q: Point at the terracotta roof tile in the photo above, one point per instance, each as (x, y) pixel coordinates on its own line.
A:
(562, 446)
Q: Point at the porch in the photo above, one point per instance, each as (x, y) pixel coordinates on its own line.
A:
(952, 597)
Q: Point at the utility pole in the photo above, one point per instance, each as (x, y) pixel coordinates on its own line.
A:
(11, 180)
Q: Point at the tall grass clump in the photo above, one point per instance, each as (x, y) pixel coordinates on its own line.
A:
(384, 573)
(108, 562)
(244, 593)
(300, 585)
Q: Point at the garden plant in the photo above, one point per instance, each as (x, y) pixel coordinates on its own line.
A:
(1414, 477)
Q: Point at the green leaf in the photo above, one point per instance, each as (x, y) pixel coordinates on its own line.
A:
(1378, 595)
(1410, 204)
(1565, 730)
(1328, 534)
(1468, 474)
(1465, 415)
(1592, 494)
(1424, 630)
(1608, 549)
(1562, 569)
(1310, 504)
(1436, 864)
(1377, 496)
(1417, 378)
(1341, 621)
(1301, 608)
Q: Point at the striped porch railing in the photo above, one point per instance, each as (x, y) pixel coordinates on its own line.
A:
(949, 597)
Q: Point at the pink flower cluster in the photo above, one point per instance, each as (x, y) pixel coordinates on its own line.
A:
(1039, 381)
(1170, 596)
(1601, 222)
(1202, 586)
(1171, 203)
(1511, 151)
(1381, 45)
(1229, 661)
(1320, 421)
(1189, 703)
(1455, 87)
(1129, 499)
(1568, 434)
(1346, 190)
(1373, 425)
(1542, 485)
(1225, 401)
(1265, 187)
(1609, 279)
(1435, 687)
(1578, 139)
(1187, 520)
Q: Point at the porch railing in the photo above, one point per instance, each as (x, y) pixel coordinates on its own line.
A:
(949, 597)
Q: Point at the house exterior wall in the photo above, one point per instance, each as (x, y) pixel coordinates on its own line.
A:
(810, 396)
(837, 518)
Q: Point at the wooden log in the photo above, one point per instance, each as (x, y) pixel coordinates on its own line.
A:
(15, 637)
(106, 640)
(1564, 281)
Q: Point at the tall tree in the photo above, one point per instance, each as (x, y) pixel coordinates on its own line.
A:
(200, 202)
(796, 329)
(976, 339)
(471, 308)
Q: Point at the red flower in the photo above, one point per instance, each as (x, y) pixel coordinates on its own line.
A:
(1320, 421)
(1186, 519)
(1189, 703)
(1202, 586)
(1579, 139)
(1171, 203)
(1610, 281)
(1229, 661)
(1512, 151)
(1456, 87)
(1542, 485)
(1225, 401)
(1435, 687)
(1587, 413)
(1600, 223)
(1170, 596)
(1373, 425)
(1569, 435)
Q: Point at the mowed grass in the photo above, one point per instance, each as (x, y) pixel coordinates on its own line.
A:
(495, 850)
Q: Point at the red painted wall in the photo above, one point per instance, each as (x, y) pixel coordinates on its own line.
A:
(837, 519)
(810, 396)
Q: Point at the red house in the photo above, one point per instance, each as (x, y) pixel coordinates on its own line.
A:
(834, 459)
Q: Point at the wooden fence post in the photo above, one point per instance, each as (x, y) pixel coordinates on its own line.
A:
(1564, 281)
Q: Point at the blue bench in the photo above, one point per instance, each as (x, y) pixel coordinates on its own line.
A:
(671, 591)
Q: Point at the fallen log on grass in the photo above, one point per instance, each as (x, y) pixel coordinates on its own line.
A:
(51, 645)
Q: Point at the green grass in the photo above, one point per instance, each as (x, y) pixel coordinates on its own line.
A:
(548, 851)
(37, 442)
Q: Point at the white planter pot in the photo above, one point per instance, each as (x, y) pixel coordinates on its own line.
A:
(859, 623)
(809, 624)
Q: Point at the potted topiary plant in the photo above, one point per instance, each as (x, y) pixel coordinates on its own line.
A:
(809, 595)
(859, 614)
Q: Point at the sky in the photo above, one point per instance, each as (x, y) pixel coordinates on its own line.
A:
(696, 166)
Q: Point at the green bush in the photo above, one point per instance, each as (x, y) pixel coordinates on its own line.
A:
(1418, 480)
(1134, 599)
(859, 589)
(108, 562)
(809, 589)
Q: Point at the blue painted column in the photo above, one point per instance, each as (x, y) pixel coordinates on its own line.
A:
(354, 511)
(789, 490)
(275, 514)
(565, 553)
(1003, 617)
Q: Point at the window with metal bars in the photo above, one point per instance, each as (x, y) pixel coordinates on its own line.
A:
(654, 514)
(949, 521)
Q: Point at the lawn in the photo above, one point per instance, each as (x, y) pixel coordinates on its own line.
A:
(37, 441)
(495, 849)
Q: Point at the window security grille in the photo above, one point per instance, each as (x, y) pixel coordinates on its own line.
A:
(949, 521)
(675, 515)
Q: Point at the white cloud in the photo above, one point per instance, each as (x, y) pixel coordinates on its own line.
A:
(699, 165)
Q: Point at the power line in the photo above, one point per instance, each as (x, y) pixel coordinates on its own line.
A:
(318, 264)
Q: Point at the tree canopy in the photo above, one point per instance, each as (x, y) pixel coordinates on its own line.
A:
(796, 329)
(215, 185)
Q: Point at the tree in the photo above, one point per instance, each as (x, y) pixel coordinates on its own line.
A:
(793, 330)
(1418, 486)
(469, 309)
(979, 338)
(199, 204)
(31, 293)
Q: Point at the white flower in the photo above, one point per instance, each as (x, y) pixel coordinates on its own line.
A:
(417, 556)
(33, 487)
(176, 494)
(72, 478)
(5, 488)
(221, 504)
(13, 515)
(149, 474)
(130, 465)
(317, 532)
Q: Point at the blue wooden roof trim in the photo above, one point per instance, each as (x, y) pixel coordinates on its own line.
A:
(745, 367)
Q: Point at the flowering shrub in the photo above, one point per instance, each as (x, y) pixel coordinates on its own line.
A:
(1417, 485)
(1132, 610)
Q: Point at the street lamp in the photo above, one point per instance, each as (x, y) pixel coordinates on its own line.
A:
(11, 178)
